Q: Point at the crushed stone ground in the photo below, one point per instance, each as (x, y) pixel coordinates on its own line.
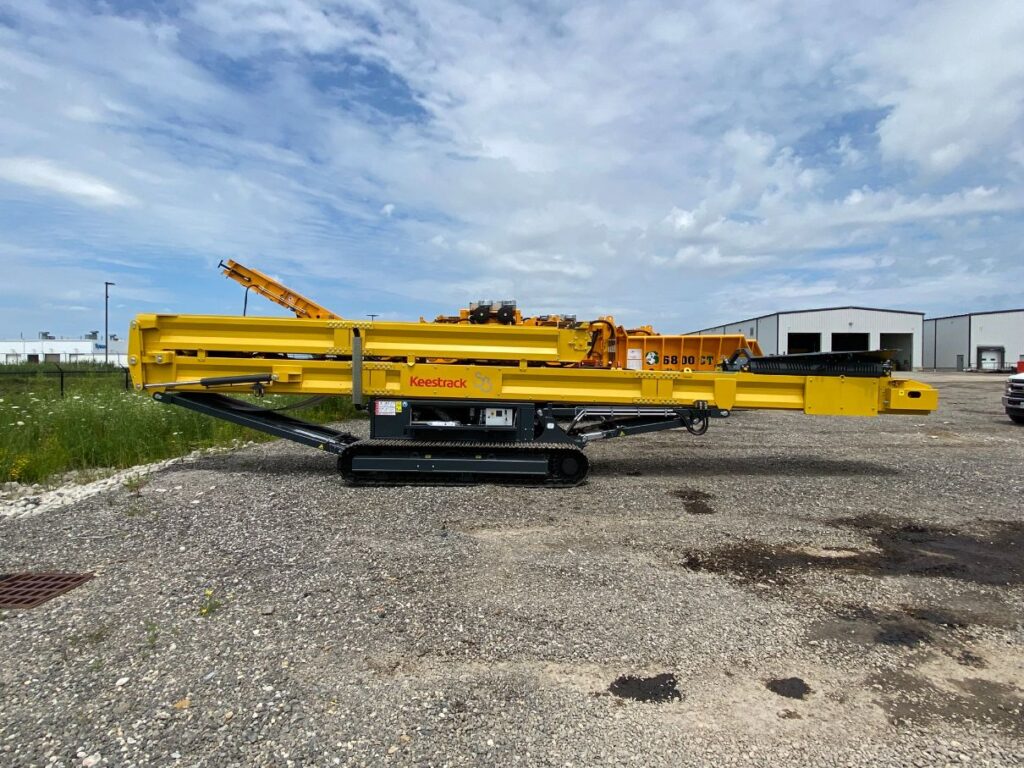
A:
(250, 609)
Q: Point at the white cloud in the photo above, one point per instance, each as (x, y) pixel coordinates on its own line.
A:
(696, 257)
(952, 74)
(681, 220)
(582, 156)
(40, 173)
(855, 263)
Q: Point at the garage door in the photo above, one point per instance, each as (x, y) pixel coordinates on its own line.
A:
(902, 347)
(990, 359)
(850, 342)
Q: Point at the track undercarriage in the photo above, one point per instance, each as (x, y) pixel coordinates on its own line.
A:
(403, 462)
(431, 442)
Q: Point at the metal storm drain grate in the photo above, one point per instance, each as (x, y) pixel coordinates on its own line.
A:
(27, 590)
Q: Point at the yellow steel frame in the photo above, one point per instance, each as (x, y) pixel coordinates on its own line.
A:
(167, 350)
(202, 334)
(275, 291)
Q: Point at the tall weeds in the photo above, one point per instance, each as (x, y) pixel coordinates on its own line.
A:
(99, 425)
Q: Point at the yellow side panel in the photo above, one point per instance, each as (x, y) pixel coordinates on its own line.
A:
(753, 391)
(725, 393)
(907, 396)
(272, 335)
(376, 381)
(253, 335)
(563, 385)
(475, 342)
(841, 396)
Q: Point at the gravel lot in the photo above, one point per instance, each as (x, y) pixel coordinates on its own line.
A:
(879, 561)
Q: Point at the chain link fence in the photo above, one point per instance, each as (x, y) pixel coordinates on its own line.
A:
(57, 379)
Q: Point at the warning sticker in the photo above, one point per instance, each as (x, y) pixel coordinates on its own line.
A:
(386, 407)
(634, 359)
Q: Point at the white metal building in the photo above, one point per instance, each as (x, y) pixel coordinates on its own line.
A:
(836, 329)
(49, 350)
(983, 341)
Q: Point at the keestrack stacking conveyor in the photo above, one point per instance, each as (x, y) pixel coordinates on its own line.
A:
(488, 395)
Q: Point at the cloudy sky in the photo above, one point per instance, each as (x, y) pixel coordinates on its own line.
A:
(677, 163)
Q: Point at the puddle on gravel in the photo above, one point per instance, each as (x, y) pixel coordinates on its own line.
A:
(695, 502)
(959, 615)
(901, 548)
(912, 627)
(970, 659)
(936, 616)
(909, 698)
(901, 634)
(789, 687)
(658, 689)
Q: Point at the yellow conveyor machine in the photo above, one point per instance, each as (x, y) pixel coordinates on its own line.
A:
(487, 395)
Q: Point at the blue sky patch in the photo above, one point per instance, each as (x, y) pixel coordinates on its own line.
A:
(681, 165)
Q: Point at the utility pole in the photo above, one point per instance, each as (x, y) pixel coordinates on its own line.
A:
(106, 321)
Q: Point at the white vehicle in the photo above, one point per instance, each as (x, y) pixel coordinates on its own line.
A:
(1013, 400)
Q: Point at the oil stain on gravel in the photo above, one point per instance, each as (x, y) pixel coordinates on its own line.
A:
(901, 634)
(970, 659)
(658, 689)
(789, 687)
(909, 698)
(909, 627)
(925, 618)
(901, 548)
(695, 502)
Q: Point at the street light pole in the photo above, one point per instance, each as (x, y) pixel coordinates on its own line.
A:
(106, 321)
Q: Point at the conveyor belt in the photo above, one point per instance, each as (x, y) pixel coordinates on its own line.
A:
(874, 364)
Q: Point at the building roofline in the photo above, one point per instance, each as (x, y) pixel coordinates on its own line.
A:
(734, 322)
(972, 314)
(803, 311)
(867, 309)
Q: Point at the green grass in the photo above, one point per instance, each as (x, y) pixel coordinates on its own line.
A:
(100, 425)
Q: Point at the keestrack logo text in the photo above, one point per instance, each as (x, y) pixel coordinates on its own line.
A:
(438, 383)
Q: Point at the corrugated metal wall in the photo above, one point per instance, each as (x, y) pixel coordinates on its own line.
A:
(999, 330)
(944, 342)
(760, 328)
(767, 335)
(928, 344)
(874, 323)
(952, 339)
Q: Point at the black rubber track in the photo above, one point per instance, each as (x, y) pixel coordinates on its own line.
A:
(567, 464)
